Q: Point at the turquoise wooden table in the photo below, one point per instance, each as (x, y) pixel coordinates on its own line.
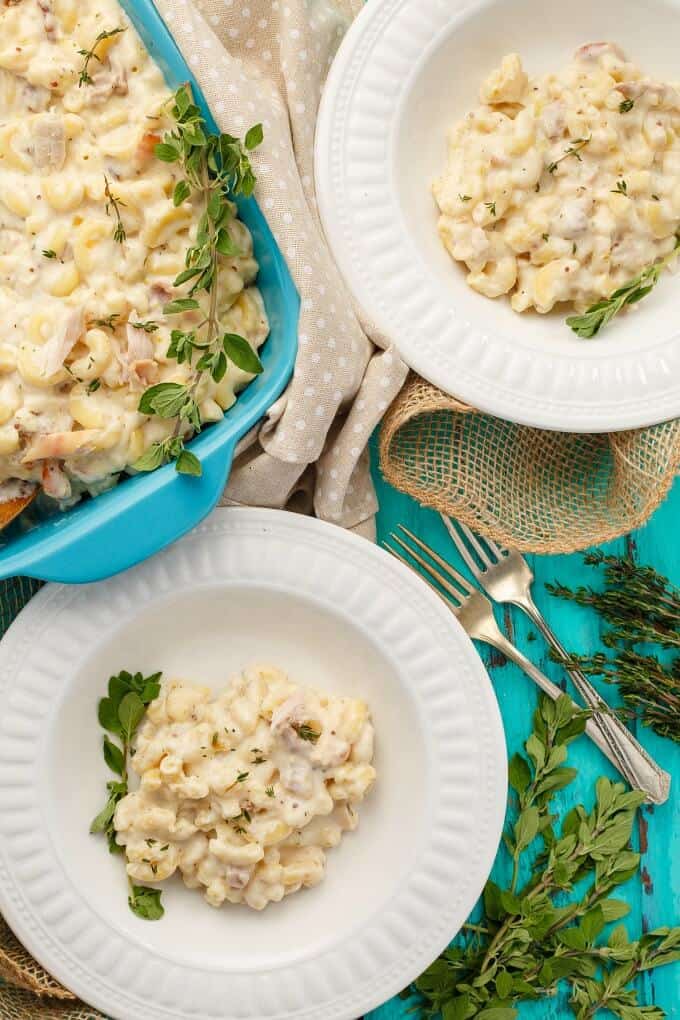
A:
(654, 895)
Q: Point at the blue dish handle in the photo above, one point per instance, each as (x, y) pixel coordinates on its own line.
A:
(109, 544)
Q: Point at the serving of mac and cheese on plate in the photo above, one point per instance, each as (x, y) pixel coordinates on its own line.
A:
(242, 792)
(94, 235)
(563, 187)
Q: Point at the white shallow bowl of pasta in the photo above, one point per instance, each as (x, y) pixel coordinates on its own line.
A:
(336, 613)
(407, 71)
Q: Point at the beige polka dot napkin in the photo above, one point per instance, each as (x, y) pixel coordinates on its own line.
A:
(266, 60)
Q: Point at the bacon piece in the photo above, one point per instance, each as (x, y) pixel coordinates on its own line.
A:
(51, 23)
(138, 361)
(54, 481)
(593, 51)
(147, 146)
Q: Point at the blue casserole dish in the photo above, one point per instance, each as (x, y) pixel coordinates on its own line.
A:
(140, 516)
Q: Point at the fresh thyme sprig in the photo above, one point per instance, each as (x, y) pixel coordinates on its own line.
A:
(641, 608)
(149, 326)
(306, 731)
(120, 715)
(530, 936)
(573, 150)
(91, 54)
(626, 105)
(110, 322)
(598, 315)
(214, 167)
(113, 206)
(620, 189)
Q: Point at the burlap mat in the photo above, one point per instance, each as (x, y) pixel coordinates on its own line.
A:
(30, 992)
(539, 491)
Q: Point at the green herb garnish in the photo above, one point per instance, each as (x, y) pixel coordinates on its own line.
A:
(553, 925)
(113, 205)
(620, 189)
(93, 386)
(110, 322)
(573, 150)
(465, 198)
(599, 314)
(306, 732)
(491, 206)
(640, 608)
(91, 54)
(626, 105)
(269, 790)
(148, 327)
(49, 254)
(146, 902)
(213, 167)
(120, 714)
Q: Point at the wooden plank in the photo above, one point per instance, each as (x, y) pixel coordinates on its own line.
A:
(656, 899)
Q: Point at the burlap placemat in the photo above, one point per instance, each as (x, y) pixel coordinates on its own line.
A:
(539, 491)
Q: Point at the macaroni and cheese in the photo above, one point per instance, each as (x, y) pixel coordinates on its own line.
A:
(242, 792)
(563, 187)
(82, 329)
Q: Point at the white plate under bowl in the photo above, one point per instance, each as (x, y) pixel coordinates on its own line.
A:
(336, 612)
(406, 71)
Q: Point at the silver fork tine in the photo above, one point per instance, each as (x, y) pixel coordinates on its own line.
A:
(402, 559)
(448, 569)
(472, 539)
(446, 585)
(460, 544)
(496, 550)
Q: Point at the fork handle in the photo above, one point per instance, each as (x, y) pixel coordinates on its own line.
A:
(658, 785)
(638, 767)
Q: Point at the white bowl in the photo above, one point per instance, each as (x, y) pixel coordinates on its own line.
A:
(337, 613)
(406, 71)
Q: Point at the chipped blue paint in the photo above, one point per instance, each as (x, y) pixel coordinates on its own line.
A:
(654, 900)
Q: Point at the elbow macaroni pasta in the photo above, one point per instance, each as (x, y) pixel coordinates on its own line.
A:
(59, 144)
(564, 187)
(242, 792)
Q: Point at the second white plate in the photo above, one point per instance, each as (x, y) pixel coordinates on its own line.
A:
(405, 73)
(335, 612)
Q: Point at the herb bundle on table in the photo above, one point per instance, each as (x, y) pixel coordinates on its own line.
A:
(539, 932)
(640, 608)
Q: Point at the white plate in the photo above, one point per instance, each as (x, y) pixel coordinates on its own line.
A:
(406, 71)
(336, 612)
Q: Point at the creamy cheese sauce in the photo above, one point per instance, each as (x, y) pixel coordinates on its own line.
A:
(242, 792)
(72, 364)
(563, 187)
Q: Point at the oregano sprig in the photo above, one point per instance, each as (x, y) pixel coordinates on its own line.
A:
(552, 924)
(120, 714)
(598, 315)
(214, 167)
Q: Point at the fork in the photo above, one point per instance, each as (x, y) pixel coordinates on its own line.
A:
(474, 612)
(507, 577)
